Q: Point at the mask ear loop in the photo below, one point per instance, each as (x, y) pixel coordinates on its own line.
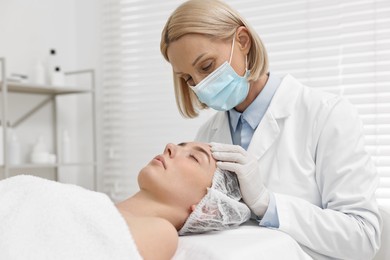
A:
(231, 53)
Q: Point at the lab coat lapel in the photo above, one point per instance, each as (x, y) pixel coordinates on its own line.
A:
(221, 130)
(264, 136)
(281, 107)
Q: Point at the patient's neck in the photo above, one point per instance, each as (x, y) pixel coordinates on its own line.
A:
(142, 204)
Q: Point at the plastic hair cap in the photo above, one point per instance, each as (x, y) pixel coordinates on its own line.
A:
(220, 208)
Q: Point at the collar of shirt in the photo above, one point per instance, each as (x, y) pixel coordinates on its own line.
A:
(256, 110)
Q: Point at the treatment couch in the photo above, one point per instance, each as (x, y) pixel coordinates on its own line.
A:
(250, 241)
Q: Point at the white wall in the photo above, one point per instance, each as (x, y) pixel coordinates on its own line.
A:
(28, 30)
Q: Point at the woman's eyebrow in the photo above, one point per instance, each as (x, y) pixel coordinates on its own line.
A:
(198, 148)
(197, 59)
(193, 63)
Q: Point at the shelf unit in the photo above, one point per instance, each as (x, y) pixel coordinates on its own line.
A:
(51, 92)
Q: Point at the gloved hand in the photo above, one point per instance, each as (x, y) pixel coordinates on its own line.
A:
(236, 159)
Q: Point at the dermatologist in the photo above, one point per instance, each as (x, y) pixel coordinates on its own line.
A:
(298, 152)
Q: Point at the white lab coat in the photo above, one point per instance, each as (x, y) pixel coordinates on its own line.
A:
(311, 155)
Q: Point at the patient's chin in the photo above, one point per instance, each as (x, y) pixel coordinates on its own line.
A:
(146, 176)
(151, 178)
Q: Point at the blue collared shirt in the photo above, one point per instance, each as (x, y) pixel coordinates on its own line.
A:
(242, 127)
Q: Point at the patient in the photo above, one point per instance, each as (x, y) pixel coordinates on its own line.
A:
(181, 191)
(172, 197)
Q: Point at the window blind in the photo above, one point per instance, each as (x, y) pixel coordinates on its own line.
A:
(339, 46)
(140, 114)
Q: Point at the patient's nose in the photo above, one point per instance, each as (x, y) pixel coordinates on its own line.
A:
(170, 150)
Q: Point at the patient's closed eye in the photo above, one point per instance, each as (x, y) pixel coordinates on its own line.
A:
(198, 149)
(194, 158)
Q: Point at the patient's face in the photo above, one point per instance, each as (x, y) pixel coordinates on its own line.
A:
(181, 174)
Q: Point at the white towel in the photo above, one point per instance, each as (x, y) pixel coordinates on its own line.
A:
(42, 219)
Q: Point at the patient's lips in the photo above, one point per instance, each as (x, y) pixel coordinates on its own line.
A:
(161, 159)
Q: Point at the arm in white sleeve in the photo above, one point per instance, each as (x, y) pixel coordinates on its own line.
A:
(348, 224)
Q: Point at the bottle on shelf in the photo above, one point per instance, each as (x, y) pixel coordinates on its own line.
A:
(40, 154)
(56, 76)
(52, 61)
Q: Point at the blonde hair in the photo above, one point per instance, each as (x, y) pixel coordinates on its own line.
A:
(217, 20)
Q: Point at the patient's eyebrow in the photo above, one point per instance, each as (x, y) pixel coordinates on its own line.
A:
(198, 148)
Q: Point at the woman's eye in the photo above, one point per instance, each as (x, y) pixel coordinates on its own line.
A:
(194, 158)
(208, 67)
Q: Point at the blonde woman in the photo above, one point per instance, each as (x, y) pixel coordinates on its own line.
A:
(298, 153)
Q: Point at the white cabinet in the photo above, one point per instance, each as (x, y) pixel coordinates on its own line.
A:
(51, 94)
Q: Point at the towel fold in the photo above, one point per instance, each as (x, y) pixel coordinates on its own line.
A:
(43, 219)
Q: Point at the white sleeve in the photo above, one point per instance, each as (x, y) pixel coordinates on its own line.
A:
(348, 224)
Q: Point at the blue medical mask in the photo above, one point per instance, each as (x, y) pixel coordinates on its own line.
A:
(223, 89)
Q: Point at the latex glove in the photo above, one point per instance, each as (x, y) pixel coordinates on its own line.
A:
(236, 159)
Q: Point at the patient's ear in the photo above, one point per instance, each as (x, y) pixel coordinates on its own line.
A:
(193, 207)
